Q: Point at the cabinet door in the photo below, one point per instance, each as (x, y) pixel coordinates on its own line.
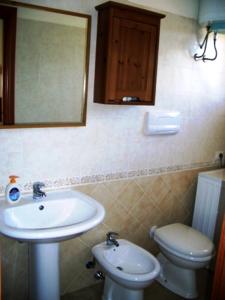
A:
(218, 292)
(133, 61)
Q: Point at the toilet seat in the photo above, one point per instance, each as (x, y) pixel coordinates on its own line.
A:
(184, 241)
(183, 250)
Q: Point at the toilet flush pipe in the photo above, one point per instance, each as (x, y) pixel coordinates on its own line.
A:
(152, 231)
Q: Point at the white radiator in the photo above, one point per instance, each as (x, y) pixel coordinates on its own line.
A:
(207, 201)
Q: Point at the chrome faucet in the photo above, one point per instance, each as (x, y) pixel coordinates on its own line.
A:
(111, 239)
(37, 192)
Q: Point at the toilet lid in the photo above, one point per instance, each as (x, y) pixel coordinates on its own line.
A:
(184, 239)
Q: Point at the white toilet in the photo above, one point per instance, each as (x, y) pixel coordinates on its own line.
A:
(128, 269)
(183, 250)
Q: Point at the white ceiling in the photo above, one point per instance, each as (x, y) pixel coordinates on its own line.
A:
(187, 8)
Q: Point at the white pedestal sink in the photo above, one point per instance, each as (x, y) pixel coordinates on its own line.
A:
(61, 215)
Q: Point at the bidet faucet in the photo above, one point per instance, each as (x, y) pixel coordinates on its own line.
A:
(111, 240)
(37, 192)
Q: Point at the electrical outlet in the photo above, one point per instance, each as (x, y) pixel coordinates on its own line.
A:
(217, 155)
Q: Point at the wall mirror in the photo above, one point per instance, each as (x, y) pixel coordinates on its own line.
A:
(44, 56)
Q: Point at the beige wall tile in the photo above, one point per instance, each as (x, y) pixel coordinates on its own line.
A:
(132, 208)
(116, 187)
(130, 196)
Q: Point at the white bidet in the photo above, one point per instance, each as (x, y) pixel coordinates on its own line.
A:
(128, 268)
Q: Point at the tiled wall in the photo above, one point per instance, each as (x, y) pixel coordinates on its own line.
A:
(132, 207)
(113, 140)
(112, 145)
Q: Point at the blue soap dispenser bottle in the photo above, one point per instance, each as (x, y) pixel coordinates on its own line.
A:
(12, 191)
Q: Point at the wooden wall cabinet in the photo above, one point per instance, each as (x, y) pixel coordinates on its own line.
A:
(126, 54)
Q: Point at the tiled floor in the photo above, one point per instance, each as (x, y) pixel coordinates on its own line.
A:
(153, 292)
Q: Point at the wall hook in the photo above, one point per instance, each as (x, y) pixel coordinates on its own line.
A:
(214, 43)
(204, 45)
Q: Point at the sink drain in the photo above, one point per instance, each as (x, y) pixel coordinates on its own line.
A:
(119, 268)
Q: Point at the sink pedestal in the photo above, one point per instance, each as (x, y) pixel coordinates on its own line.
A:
(60, 216)
(44, 271)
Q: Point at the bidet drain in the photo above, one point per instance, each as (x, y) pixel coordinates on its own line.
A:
(119, 268)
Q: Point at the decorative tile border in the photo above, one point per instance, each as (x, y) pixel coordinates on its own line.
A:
(69, 182)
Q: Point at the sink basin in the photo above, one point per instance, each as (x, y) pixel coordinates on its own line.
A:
(59, 216)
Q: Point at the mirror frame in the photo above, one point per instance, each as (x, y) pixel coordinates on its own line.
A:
(9, 49)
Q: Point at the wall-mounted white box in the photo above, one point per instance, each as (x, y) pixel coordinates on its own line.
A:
(162, 122)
